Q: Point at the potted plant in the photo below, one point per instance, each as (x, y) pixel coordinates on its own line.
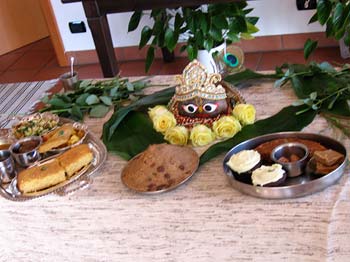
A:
(335, 15)
(162, 34)
(203, 28)
(209, 28)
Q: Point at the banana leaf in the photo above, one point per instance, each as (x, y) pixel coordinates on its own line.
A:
(157, 98)
(248, 74)
(129, 131)
(133, 135)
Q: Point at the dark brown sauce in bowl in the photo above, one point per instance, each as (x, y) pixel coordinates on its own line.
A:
(27, 146)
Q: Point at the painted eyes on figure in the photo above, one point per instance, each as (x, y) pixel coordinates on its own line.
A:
(190, 108)
(208, 108)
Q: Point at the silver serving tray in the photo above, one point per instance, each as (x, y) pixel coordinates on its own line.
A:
(293, 187)
(80, 180)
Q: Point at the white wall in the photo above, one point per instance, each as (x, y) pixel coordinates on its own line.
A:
(277, 17)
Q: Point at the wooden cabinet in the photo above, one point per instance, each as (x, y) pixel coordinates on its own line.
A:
(21, 22)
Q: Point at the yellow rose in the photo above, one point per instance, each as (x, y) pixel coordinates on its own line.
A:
(157, 110)
(201, 135)
(177, 135)
(226, 127)
(164, 121)
(245, 113)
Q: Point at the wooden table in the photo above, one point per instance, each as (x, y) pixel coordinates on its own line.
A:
(203, 220)
(96, 13)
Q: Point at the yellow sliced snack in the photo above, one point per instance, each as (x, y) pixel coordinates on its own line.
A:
(75, 159)
(40, 177)
(57, 138)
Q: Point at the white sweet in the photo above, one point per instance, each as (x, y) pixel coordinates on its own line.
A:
(243, 161)
(267, 174)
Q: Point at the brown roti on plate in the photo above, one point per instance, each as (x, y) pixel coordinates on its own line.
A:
(160, 167)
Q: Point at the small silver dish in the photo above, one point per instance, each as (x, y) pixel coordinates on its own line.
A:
(7, 166)
(30, 156)
(287, 151)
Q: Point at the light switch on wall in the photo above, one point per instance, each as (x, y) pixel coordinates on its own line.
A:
(306, 4)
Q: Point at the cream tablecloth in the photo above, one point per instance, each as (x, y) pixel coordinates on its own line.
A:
(203, 220)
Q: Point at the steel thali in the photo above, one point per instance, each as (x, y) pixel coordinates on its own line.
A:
(293, 187)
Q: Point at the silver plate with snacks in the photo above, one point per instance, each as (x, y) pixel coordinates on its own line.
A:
(310, 181)
(72, 182)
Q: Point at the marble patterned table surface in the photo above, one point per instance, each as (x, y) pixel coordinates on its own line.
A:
(203, 220)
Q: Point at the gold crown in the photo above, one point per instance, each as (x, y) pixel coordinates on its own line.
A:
(197, 82)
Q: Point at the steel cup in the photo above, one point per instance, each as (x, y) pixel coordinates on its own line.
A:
(69, 81)
(294, 168)
(27, 158)
(7, 167)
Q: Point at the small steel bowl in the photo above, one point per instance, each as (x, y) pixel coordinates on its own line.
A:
(7, 166)
(27, 158)
(293, 168)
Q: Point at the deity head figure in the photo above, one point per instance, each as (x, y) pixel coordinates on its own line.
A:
(198, 99)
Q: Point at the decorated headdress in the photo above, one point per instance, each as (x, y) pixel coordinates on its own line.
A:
(197, 82)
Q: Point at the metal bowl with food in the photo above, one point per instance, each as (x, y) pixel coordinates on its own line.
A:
(25, 151)
(307, 183)
(35, 125)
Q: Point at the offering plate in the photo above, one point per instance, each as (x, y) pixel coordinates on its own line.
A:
(80, 180)
(302, 185)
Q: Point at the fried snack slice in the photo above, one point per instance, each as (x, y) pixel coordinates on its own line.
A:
(322, 169)
(328, 157)
(40, 177)
(59, 137)
(75, 159)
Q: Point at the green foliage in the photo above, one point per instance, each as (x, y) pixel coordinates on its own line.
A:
(309, 47)
(247, 74)
(93, 97)
(133, 136)
(158, 98)
(160, 35)
(134, 21)
(129, 132)
(205, 27)
(318, 86)
(335, 15)
(209, 28)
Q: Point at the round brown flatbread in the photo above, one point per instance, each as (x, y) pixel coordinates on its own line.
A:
(159, 168)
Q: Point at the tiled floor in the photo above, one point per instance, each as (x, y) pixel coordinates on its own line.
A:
(37, 61)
